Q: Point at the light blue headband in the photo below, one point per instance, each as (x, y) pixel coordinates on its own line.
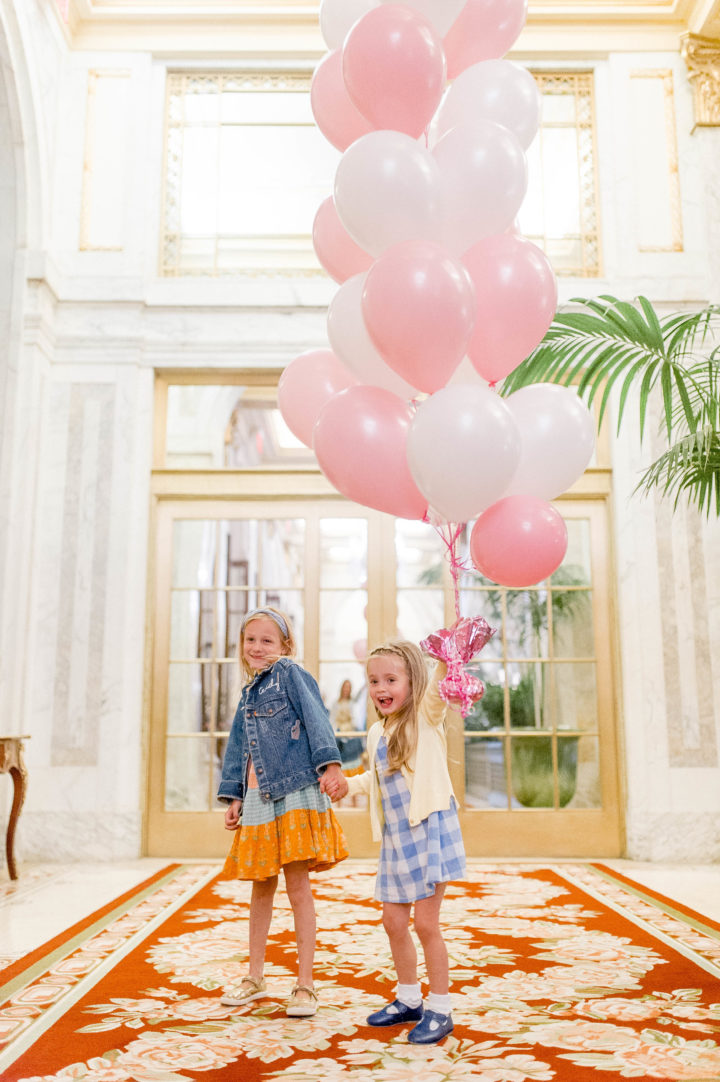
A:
(274, 616)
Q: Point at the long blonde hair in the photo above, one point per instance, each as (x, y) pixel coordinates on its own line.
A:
(283, 625)
(401, 733)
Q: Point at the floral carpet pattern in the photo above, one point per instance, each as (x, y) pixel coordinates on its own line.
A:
(565, 972)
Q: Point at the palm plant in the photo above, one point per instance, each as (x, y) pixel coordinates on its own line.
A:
(612, 343)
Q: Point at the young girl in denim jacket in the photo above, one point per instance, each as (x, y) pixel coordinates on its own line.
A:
(280, 744)
(413, 811)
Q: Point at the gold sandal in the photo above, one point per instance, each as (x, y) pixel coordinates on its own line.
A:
(237, 995)
(298, 1008)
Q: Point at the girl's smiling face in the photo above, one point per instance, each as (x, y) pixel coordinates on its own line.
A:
(389, 683)
(262, 643)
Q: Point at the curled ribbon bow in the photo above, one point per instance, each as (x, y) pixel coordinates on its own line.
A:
(456, 646)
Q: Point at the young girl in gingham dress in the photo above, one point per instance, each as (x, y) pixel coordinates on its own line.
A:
(413, 810)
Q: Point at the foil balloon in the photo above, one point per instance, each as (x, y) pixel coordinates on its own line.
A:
(456, 646)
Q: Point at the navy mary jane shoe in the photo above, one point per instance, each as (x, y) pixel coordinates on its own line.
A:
(432, 1027)
(395, 1014)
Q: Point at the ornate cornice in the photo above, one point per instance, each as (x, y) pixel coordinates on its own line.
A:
(702, 56)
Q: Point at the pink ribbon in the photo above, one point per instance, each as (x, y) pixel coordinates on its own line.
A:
(456, 646)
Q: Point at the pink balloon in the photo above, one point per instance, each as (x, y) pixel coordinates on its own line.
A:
(359, 439)
(394, 68)
(484, 30)
(419, 309)
(341, 257)
(516, 293)
(336, 116)
(308, 382)
(519, 541)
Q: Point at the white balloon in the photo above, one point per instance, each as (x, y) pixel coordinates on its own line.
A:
(387, 190)
(557, 437)
(337, 16)
(493, 90)
(351, 342)
(441, 13)
(463, 447)
(483, 180)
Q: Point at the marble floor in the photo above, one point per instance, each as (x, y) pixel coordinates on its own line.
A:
(49, 898)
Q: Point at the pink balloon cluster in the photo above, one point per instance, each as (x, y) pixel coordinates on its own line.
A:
(439, 297)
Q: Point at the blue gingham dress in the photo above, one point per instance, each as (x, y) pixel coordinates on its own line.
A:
(414, 859)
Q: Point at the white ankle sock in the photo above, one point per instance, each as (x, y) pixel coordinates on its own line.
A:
(439, 1004)
(409, 994)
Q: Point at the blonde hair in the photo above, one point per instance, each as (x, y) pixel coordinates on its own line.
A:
(402, 732)
(281, 620)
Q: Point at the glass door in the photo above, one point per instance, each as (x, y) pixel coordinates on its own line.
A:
(534, 766)
(215, 562)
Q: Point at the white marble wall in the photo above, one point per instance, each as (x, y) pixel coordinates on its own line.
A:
(96, 325)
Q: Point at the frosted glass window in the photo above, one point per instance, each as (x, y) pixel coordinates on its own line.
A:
(246, 168)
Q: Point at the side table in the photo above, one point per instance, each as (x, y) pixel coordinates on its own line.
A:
(11, 762)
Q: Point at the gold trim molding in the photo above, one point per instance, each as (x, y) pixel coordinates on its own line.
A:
(702, 56)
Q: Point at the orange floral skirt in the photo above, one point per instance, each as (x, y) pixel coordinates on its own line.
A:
(299, 826)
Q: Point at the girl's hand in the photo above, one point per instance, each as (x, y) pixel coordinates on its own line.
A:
(232, 815)
(334, 783)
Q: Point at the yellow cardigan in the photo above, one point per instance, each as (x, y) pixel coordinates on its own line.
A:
(427, 775)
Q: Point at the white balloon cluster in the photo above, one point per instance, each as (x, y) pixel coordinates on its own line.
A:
(439, 296)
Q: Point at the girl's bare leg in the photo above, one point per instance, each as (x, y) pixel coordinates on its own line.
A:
(396, 922)
(427, 926)
(302, 902)
(261, 907)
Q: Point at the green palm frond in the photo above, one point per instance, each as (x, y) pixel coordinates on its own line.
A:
(609, 344)
(689, 469)
(612, 340)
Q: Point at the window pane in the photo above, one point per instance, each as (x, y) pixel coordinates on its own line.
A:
(485, 777)
(343, 552)
(188, 706)
(418, 553)
(343, 627)
(215, 427)
(194, 544)
(574, 696)
(420, 612)
(188, 766)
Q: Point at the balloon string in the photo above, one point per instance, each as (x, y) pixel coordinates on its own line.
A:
(450, 534)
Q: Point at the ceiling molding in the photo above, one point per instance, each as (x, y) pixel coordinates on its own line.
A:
(277, 28)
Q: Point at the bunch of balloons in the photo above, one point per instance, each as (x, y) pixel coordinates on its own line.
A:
(439, 297)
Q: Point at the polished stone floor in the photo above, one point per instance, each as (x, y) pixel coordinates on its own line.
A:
(49, 898)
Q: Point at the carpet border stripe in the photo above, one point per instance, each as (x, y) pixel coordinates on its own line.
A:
(674, 909)
(27, 969)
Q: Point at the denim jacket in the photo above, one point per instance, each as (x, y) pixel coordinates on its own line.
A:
(283, 723)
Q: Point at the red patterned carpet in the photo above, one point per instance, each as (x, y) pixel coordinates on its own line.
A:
(565, 972)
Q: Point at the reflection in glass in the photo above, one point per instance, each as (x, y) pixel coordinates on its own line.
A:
(343, 553)
(227, 426)
(576, 568)
(489, 711)
(187, 770)
(188, 704)
(419, 554)
(574, 696)
(587, 788)
(534, 778)
(343, 626)
(419, 613)
(194, 542)
(485, 779)
(572, 632)
(526, 623)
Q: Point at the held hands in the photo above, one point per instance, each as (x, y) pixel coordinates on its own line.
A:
(232, 815)
(334, 783)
